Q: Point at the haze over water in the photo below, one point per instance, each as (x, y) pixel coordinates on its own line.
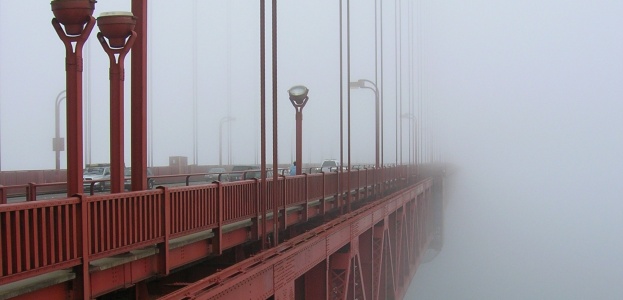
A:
(531, 96)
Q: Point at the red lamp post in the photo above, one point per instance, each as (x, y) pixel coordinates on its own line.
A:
(77, 18)
(298, 97)
(116, 27)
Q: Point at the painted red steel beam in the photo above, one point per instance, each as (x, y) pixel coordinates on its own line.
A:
(138, 106)
(274, 272)
(125, 275)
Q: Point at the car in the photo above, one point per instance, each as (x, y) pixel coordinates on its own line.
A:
(98, 172)
(330, 165)
(127, 173)
(238, 170)
(256, 173)
(214, 173)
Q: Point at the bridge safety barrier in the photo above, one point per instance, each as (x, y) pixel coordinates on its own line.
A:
(42, 236)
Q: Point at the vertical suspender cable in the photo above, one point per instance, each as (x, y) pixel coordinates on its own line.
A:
(264, 192)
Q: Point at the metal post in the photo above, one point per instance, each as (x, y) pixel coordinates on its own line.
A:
(382, 109)
(116, 46)
(138, 106)
(298, 98)
(361, 84)
(263, 189)
(299, 141)
(58, 144)
(276, 196)
(220, 138)
(348, 198)
(194, 80)
(65, 13)
(220, 143)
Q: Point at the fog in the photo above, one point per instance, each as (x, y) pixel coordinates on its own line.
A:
(524, 98)
(530, 98)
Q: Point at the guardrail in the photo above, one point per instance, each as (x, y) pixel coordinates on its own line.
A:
(31, 190)
(43, 236)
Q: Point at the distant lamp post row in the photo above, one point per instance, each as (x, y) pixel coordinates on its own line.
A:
(77, 18)
(361, 84)
(298, 97)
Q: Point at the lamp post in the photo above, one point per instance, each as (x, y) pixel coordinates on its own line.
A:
(77, 19)
(58, 143)
(115, 29)
(361, 83)
(220, 138)
(298, 97)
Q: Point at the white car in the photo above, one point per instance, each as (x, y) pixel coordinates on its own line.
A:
(330, 165)
(98, 172)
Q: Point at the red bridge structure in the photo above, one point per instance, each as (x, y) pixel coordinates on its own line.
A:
(145, 242)
(354, 233)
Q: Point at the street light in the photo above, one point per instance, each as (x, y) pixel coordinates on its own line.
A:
(220, 138)
(298, 97)
(77, 19)
(361, 84)
(58, 143)
(117, 36)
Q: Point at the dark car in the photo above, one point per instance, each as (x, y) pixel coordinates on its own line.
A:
(238, 170)
(256, 173)
(330, 165)
(127, 173)
(214, 173)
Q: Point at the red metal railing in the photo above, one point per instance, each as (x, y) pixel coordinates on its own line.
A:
(42, 236)
(193, 209)
(119, 224)
(240, 201)
(38, 237)
(294, 192)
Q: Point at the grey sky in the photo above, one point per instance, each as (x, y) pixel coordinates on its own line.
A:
(530, 95)
(227, 77)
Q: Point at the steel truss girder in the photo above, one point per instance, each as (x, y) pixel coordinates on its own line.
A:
(334, 254)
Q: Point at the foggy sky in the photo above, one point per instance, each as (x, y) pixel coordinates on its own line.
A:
(530, 96)
(228, 74)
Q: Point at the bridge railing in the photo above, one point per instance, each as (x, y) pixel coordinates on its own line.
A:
(118, 223)
(38, 237)
(239, 201)
(193, 209)
(43, 236)
(315, 186)
(295, 190)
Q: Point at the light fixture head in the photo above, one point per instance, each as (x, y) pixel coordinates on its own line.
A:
(116, 26)
(73, 14)
(298, 95)
(355, 84)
